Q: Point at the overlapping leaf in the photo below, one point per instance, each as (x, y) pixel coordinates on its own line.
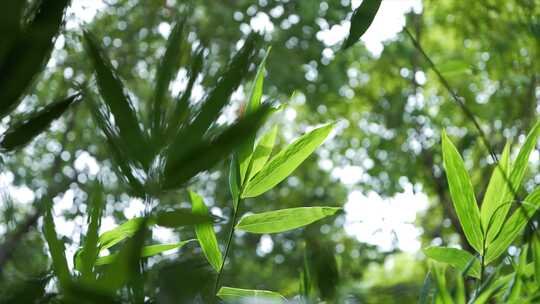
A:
(205, 233)
(457, 258)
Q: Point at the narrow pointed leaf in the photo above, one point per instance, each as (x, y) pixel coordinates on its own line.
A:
(181, 217)
(536, 256)
(112, 92)
(425, 292)
(519, 167)
(90, 250)
(120, 233)
(460, 296)
(284, 219)
(234, 180)
(462, 194)
(56, 249)
(361, 19)
(237, 295)
(29, 52)
(442, 290)
(165, 73)
(205, 233)
(262, 152)
(147, 251)
(514, 226)
(286, 161)
(456, 258)
(23, 132)
(254, 101)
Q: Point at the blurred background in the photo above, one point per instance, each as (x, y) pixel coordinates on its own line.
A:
(382, 164)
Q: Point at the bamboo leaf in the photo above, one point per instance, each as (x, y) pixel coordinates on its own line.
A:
(536, 257)
(29, 52)
(147, 251)
(36, 123)
(284, 219)
(90, 250)
(181, 217)
(112, 92)
(425, 292)
(462, 194)
(262, 152)
(120, 233)
(442, 291)
(514, 226)
(519, 168)
(246, 150)
(237, 295)
(361, 19)
(165, 73)
(286, 161)
(56, 248)
(457, 258)
(205, 233)
(234, 180)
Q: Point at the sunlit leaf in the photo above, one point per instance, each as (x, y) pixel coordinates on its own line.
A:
(36, 123)
(181, 217)
(286, 161)
(536, 256)
(462, 194)
(237, 295)
(284, 219)
(361, 19)
(29, 51)
(147, 251)
(234, 180)
(262, 152)
(120, 233)
(112, 92)
(456, 258)
(443, 294)
(514, 226)
(205, 233)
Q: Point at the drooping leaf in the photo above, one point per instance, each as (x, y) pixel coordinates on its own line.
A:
(147, 251)
(361, 19)
(246, 150)
(209, 152)
(56, 248)
(237, 295)
(181, 217)
(112, 92)
(519, 168)
(120, 233)
(205, 233)
(284, 219)
(286, 161)
(234, 180)
(211, 106)
(262, 152)
(23, 132)
(29, 51)
(462, 194)
(456, 258)
(496, 191)
(323, 269)
(166, 71)
(90, 250)
(514, 226)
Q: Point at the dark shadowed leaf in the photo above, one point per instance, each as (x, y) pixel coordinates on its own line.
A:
(361, 19)
(23, 132)
(425, 292)
(112, 92)
(28, 52)
(56, 248)
(90, 248)
(323, 268)
(205, 233)
(284, 220)
(181, 217)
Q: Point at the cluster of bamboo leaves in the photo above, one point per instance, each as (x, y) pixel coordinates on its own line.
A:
(490, 230)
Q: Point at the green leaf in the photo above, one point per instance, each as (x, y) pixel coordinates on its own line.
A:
(456, 258)
(29, 51)
(536, 256)
(425, 292)
(514, 292)
(284, 219)
(262, 152)
(514, 226)
(90, 250)
(165, 73)
(237, 295)
(120, 233)
(286, 161)
(234, 180)
(442, 290)
(462, 194)
(205, 233)
(56, 248)
(246, 150)
(181, 217)
(460, 294)
(147, 251)
(112, 91)
(209, 152)
(516, 177)
(36, 123)
(361, 19)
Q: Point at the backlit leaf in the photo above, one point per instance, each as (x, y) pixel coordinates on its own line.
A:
(205, 233)
(456, 258)
(118, 234)
(262, 152)
(237, 295)
(147, 251)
